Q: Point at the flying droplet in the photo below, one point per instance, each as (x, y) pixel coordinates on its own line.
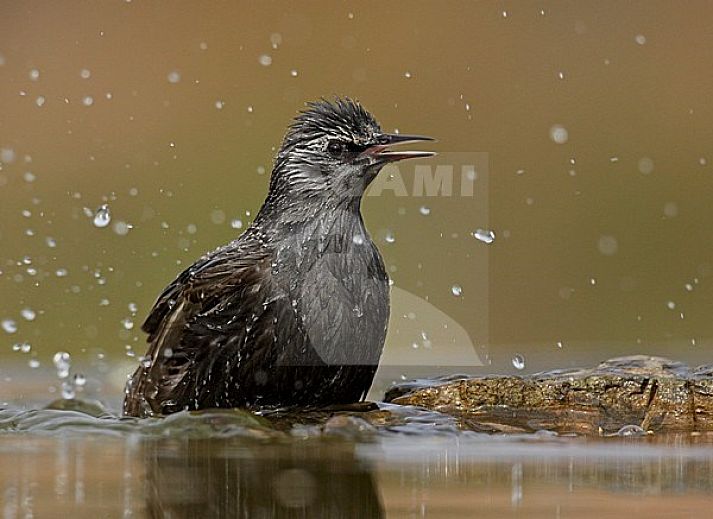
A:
(237, 223)
(389, 237)
(88, 101)
(518, 361)
(670, 210)
(484, 236)
(102, 217)
(68, 392)
(559, 134)
(265, 60)
(425, 211)
(219, 104)
(85, 73)
(62, 361)
(28, 314)
(79, 379)
(640, 39)
(646, 165)
(174, 77)
(671, 305)
(456, 290)
(608, 245)
(9, 325)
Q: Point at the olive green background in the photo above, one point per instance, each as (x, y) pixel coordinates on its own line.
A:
(628, 80)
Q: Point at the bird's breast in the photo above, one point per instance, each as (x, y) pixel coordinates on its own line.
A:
(339, 294)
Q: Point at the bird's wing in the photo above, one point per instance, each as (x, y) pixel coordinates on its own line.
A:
(208, 307)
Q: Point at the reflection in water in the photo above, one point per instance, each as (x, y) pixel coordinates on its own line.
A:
(106, 467)
(209, 478)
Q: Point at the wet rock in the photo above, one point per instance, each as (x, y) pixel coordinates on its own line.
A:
(653, 393)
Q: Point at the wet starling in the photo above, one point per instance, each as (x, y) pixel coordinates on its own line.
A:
(293, 313)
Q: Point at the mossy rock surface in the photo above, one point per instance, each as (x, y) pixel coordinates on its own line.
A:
(654, 393)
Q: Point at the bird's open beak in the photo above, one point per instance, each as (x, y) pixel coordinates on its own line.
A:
(382, 153)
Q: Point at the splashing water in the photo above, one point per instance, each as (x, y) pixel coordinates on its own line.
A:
(518, 361)
(484, 236)
(8, 325)
(102, 217)
(62, 361)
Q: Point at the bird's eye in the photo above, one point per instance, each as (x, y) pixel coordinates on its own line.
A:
(335, 147)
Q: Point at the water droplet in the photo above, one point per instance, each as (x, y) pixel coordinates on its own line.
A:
(559, 344)
(670, 209)
(518, 361)
(34, 74)
(40, 100)
(358, 239)
(7, 155)
(236, 223)
(217, 216)
(407, 74)
(8, 325)
(631, 430)
(80, 380)
(62, 361)
(293, 73)
(88, 101)
(265, 60)
(28, 314)
(102, 217)
(425, 211)
(85, 73)
(33, 363)
(173, 77)
(68, 392)
(456, 290)
(127, 323)
(219, 104)
(122, 228)
(640, 39)
(671, 305)
(689, 287)
(389, 237)
(645, 165)
(484, 236)
(60, 273)
(559, 134)
(608, 245)
(51, 242)
(560, 75)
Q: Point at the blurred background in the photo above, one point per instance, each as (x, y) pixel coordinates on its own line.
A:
(135, 136)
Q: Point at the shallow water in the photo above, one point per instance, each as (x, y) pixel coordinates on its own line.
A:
(230, 464)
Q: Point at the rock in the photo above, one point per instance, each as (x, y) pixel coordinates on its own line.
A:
(653, 393)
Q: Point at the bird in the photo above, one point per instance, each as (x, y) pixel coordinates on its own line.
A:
(293, 313)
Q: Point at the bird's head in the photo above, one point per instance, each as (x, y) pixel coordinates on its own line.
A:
(334, 149)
